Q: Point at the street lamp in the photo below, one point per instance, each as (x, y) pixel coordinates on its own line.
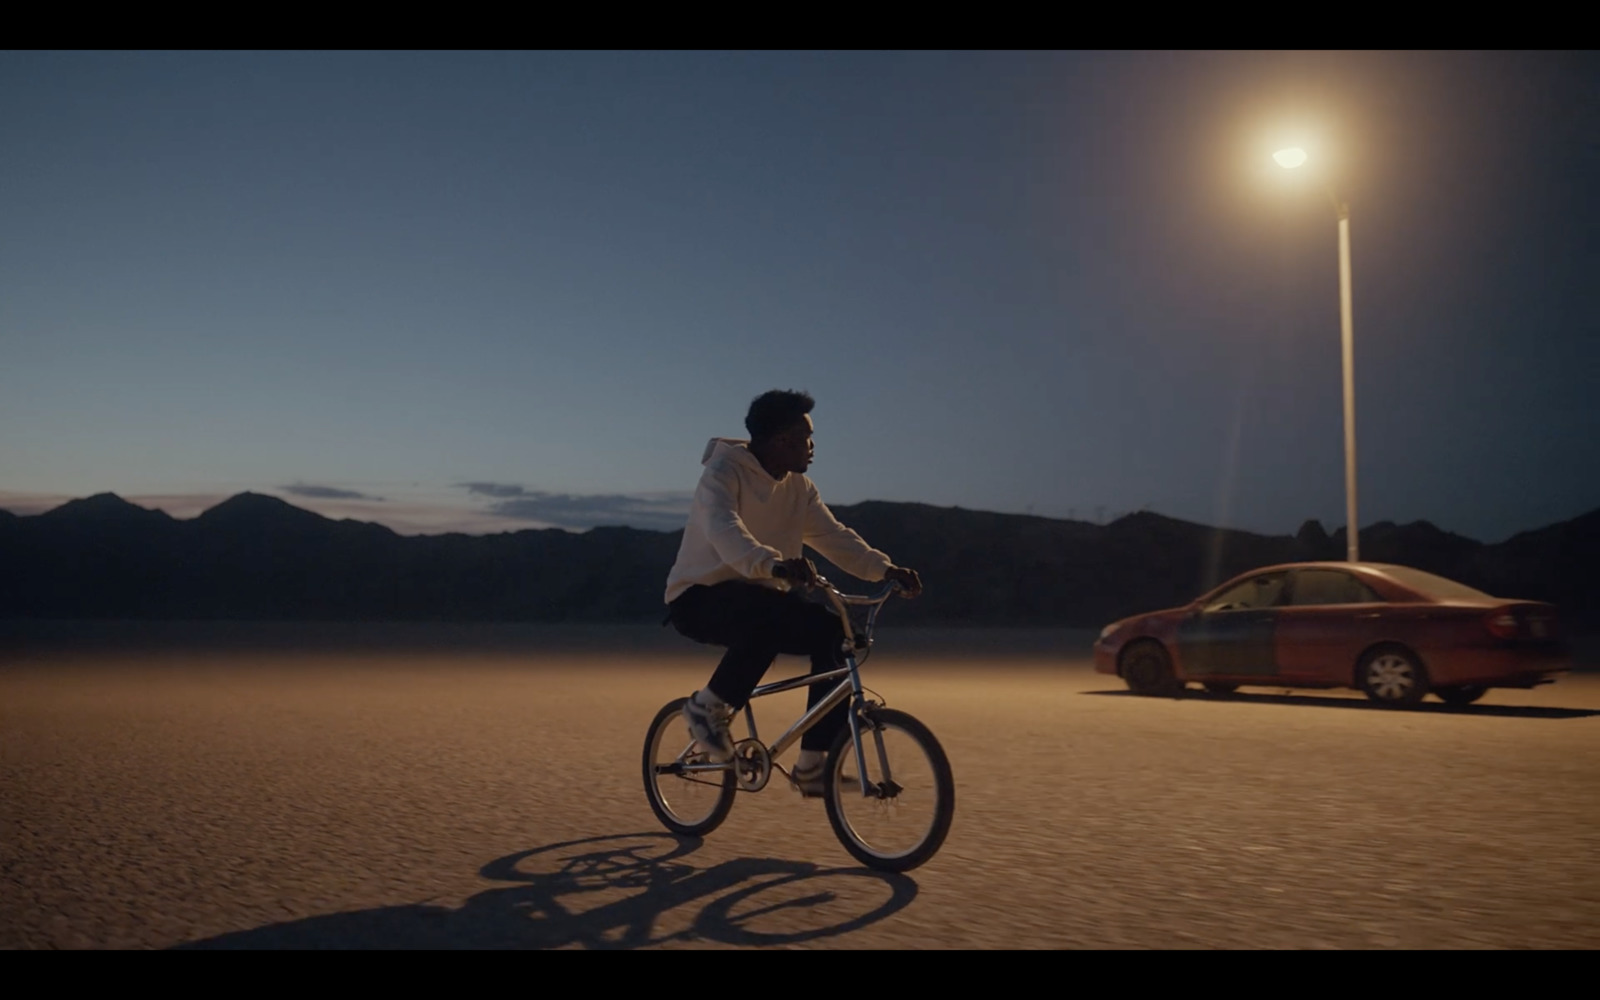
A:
(1289, 159)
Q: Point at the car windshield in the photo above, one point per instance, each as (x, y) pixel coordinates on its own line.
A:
(1435, 586)
(1257, 592)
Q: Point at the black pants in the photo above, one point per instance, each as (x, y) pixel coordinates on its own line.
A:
(757, 623)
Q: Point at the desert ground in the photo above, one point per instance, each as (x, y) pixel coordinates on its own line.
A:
(417, 787)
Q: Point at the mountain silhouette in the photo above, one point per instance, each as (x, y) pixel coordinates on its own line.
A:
(257, 510)
(104, 508)
(257, 557)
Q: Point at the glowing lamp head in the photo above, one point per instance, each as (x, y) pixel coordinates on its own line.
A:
(1290, 158)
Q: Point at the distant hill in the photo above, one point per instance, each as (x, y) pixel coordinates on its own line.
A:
(255, 557)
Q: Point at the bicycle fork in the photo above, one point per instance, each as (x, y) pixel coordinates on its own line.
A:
(886, 788)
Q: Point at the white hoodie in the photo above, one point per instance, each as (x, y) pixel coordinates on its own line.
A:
(743, 521)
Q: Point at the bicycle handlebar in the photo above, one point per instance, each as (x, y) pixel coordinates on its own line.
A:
(840, 600)
(890, 587)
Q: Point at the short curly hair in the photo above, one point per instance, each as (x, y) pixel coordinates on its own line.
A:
(774, 410)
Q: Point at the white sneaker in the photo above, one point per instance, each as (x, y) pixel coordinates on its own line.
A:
(812, 782)
(709, 727)
(809, 782)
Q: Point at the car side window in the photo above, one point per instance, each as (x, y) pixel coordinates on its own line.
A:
(1329, 586)
(1257, 592)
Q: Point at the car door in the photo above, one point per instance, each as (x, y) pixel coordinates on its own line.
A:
(1233, 634)
(1323, 625)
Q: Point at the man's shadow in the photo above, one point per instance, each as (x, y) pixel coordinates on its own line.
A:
(605, 892)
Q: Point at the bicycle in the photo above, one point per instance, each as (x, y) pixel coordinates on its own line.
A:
(691, 795)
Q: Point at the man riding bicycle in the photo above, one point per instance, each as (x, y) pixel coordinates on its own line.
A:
(741, 558)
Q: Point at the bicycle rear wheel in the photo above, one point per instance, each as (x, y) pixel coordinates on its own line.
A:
(904, 821)
(692, 803)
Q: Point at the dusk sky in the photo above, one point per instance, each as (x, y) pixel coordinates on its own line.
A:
(489, 291)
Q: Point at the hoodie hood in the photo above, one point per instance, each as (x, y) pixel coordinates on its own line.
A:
(724, 444)
(736, 451)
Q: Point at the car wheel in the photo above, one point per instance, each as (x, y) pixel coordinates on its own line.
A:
(1392, 675)
(1218, 687)
(1147, 670)
(1461, 694)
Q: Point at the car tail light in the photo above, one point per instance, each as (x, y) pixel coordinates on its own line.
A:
(1501, 624)
(1542, 626)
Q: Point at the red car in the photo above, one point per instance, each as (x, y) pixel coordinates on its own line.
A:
(1391, 631)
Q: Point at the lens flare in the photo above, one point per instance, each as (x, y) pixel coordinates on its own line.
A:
(1290, 158)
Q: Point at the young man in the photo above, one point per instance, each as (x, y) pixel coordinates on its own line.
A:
(739, 562)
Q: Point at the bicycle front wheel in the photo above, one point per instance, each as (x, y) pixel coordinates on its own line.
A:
(904, 818)
(687, 801)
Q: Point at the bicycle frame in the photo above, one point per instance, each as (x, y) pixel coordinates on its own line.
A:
(848, 689)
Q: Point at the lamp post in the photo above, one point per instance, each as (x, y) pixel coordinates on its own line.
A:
(1290, 159)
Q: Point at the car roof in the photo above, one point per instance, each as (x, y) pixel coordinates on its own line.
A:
(1381, 569)
(1374, 567)
(1319, 564)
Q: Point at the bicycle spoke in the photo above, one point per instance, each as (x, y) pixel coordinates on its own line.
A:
(905, 815)
(686, 792)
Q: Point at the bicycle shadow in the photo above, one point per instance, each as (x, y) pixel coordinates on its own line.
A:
(607, 892)
(1366, 705)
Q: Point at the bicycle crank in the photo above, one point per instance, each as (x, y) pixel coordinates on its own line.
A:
(752, 764)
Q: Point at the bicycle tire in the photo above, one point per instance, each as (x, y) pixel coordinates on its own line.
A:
(845, 802)
(716, 797)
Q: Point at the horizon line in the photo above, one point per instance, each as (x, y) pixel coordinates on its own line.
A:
(494, 520)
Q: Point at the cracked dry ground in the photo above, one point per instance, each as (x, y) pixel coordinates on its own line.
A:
(494, 801)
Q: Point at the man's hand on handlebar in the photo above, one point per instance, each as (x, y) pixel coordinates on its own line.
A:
(909, 581)
(798, 571)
